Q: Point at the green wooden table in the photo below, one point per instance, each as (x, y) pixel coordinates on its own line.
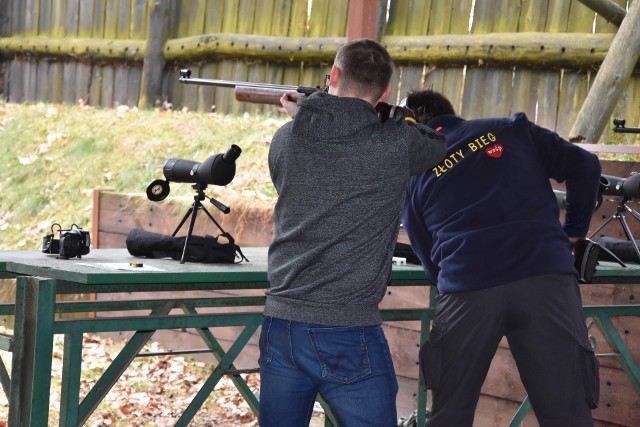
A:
(42, 277)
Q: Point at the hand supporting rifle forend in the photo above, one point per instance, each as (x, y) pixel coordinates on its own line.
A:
(257, 93)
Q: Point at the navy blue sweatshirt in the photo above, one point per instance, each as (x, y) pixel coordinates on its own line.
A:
(487, 215)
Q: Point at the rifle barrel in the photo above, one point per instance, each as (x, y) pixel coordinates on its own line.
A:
(232, 83)
(626, 130)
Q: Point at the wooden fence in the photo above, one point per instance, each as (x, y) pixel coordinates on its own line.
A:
(490, 57)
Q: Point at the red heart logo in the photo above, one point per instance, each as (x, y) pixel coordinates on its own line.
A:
(495, 150)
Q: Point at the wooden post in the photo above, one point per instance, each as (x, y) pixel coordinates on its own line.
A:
(611, 80)
(363, 20)
(609, 10)
(153, 66)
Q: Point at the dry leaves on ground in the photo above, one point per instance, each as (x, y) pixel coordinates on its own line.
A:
(153, 392)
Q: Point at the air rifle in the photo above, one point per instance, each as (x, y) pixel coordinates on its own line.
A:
(619, 126)
(257, 93)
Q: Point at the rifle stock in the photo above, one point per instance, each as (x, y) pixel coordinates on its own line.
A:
(257, 93)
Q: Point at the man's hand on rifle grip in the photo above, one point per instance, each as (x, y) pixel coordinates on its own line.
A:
(289, 104)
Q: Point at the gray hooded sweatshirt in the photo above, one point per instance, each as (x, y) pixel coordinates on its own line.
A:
(341, 175)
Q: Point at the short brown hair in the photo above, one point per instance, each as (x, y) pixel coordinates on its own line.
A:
(365, 67)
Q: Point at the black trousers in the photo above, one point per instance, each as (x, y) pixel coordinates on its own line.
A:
(543, 321)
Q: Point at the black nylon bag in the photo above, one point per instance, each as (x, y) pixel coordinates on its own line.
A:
(205, 249)
(623, 249)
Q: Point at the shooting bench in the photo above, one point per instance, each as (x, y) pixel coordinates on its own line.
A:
(41, 278)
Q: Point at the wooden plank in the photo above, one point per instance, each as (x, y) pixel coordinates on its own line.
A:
(57, 19)
(212, 15)
(548, 90)
(55, 81)
(5, 19)
(69, 68)
(573, 91)
(244, 25)
(456, 19)
(121, 71)
(85, 18)
(106, 97)
(120, 85)
(99, 19)
(16, 80)
(549, 81)
(475, 79)
(30, 77)
(499, 82)
(399, 13)
(69, 87)
(297, 26)
(123, 19)
(82, 82)
(95, 86)
(42, 82)
(618, 401)
(223, 98)
(31, 18)
(264, 23)
(71, 21)
(404, 345)
(153, 64)
(411, 76)
(108, 71)
(525, 81)
(337, 19)
(557, 16)
(580, 18)
(212, 24)
(17, 23)
(134, 79)
(139, 19)
(525, 89)
(96, 95)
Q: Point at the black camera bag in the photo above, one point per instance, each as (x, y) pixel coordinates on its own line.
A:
(205, 249)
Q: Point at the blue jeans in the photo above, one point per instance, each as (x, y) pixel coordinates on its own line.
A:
(350, 367)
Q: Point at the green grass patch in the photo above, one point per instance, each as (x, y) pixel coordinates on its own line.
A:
(56, 155)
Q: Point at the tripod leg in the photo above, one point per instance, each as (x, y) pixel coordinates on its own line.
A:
(212, 219)
(627, 232)
(194, 210)
(604, 224)
(633, 213)
(184, 218)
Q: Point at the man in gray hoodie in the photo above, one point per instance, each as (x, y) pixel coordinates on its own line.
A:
(340, 172)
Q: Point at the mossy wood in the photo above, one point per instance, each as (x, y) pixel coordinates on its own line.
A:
(507, 49)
